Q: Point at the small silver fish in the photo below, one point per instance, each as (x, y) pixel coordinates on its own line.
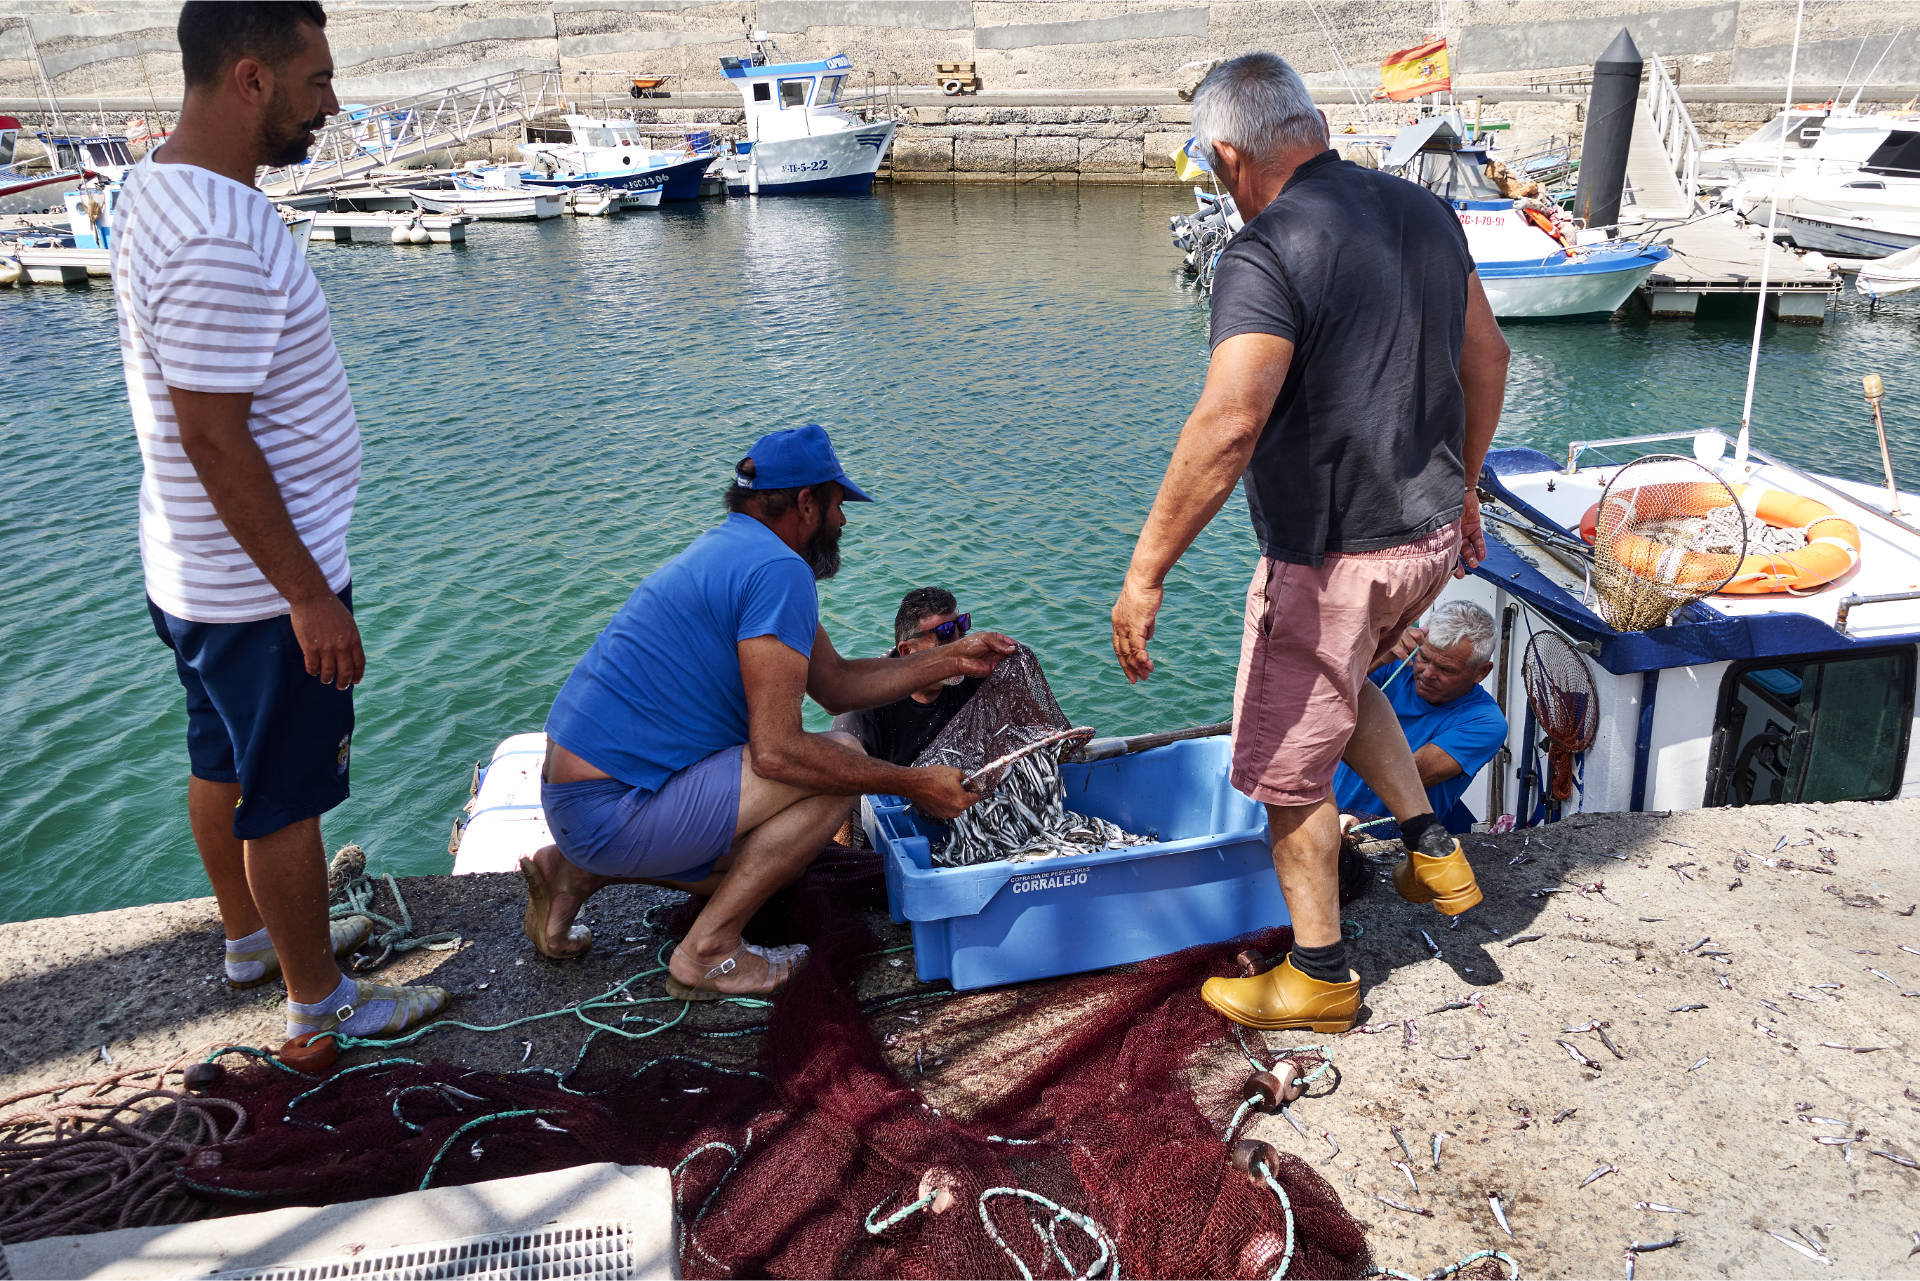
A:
(1436, 1153)
(1565, 1113)
(1700, 1063)
(1648, 1247)
(104, 1056)
(1684, 1009)
(1604, 1169)
(1791, 1244)
(1656, 1208)
(1573, 1052)
(1431, 945)
(1407, 1170)
(1400, 1137)
(1328, 1136)
(1499, 1213)
(1896, 1158)
(1294, 1121)
(1402, 1205)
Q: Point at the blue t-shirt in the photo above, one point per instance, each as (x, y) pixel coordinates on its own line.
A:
(1470, 729)
(661, 688)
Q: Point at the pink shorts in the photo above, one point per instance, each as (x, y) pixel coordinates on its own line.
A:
(1309, 639)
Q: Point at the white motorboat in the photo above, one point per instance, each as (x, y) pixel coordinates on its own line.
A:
(1795, 130)
(1867, 212)
(615, 153)
(802, 138)
(1895, 274)
(31, 190)
(1529, 273)
(491, 204)
(1844, 142)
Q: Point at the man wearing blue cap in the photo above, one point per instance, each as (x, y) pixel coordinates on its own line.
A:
(675, 750)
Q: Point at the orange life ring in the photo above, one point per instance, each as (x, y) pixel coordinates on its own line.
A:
(1828, 556)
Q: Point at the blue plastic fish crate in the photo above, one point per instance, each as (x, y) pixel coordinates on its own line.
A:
(1207, 878)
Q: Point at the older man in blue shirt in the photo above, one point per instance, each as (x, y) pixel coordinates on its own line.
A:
(1453, 726)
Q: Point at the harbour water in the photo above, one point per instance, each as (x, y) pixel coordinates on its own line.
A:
(553, 409)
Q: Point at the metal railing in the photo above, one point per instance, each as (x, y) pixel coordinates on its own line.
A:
(1678, 137)
(413, 126)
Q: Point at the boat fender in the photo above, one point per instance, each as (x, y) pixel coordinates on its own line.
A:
(419, 235)
(11, 272)
(951, 88)
(399, 235)
(1830, 554)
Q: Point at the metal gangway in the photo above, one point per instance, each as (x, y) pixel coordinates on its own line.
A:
(417, 125)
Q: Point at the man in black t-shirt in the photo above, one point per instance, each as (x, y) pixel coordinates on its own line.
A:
(899, 732)
(1356, 380)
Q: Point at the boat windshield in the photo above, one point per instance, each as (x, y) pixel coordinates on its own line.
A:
(793, 93)
(1824, 728)
(829, 90)
(1453, 175)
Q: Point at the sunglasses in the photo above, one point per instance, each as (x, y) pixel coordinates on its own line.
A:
(948, 632)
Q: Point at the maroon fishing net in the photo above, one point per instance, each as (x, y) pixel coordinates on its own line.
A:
(1070, 1119)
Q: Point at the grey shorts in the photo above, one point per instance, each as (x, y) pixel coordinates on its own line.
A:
(608, 828)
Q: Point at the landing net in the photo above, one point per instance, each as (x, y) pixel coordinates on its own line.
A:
(1667, 532)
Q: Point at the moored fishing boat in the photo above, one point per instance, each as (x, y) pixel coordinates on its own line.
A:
(803, 134)
(30, 190)
(494, 204)
(614, 153)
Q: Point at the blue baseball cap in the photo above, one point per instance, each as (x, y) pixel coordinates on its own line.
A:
(796, 457)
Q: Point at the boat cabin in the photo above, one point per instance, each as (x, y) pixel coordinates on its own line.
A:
(791, 99)
(1740, 699)
(96, 155)
(1437, 154)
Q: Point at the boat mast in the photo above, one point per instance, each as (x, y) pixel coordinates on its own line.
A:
(1744, 439)
(1876, 67)
(53, 108)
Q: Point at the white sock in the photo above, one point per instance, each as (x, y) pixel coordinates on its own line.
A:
(370, 1013)
(243, 970)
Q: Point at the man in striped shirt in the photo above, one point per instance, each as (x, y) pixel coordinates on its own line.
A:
(251, 461)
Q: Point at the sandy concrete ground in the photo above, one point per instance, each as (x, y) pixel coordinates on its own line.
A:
(1717, 1111)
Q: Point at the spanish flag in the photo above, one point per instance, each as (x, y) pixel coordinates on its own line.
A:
(1410, 73)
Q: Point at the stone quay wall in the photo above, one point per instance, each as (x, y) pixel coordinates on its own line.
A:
(1087, 89)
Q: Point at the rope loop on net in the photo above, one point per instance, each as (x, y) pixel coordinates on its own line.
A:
(1286, 1211)
(356, 899)
(475, 1124)
(1060, 1215)
(907, 1211)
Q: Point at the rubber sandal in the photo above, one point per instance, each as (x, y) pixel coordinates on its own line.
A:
(539, 905)
(345, 934)
(782, 963)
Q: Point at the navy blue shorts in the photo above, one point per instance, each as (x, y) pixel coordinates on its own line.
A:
(254, 717)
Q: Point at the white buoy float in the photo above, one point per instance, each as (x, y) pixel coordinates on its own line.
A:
(418, 234)
(11, 272)
(399, 235)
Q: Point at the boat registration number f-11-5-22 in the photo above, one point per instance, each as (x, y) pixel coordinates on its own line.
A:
(805, 166)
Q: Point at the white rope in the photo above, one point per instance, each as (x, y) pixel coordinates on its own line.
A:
(1744, 439)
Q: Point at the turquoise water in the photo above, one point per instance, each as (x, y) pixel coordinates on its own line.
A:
(553, 410)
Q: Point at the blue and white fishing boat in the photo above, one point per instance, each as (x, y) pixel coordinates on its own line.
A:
(102, 156)
(1527, 271)
(802, 137)
(614, 153)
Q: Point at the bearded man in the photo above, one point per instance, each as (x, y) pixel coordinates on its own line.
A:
(675, 751)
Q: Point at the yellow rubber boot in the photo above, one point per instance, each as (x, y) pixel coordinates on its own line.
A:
(1447, 883)
(1283, 998)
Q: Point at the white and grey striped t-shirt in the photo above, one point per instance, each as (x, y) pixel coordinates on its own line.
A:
(214, 296)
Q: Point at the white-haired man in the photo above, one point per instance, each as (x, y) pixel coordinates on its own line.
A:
(1453, 726)
(1356, 380)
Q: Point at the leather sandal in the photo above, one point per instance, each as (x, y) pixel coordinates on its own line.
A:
(343, 935)
(578, 938)
(782, 963)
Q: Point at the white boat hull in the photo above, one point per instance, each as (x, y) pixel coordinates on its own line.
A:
(1855, 237)
(22, 193)
(494, 206)
(1542, 297)
(843, 162)
(1895, 274)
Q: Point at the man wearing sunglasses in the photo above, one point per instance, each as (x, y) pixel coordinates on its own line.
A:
(899, 731)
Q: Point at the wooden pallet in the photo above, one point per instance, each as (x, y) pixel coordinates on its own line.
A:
(955, 78)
